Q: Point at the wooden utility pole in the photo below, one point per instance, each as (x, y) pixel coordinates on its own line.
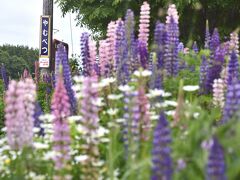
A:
(48, 11)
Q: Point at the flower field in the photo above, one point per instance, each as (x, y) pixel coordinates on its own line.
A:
(138, 110)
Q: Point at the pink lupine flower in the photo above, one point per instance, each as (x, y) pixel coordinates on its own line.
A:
(19, 110)
(172, 13)
(92, 56)
(219, 88)
(90, 124)
(103, 58)
(144, 23)
(111, 38)
(234, 42)
(61, 136)
(25, 74)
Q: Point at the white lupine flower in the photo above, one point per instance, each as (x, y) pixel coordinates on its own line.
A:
(112, 111)
(191, 88)
(115, 96)
(170, 103)
(81, 158)
(78, 79)
(144, 73)
(166, 94)
(46, 118)
(39, 145)
(125, 88)
(170, 113)
(98, 102)
(218, 92)
(73, 119)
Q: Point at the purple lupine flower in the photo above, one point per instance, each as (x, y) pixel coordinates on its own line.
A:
(131, 40)
(215, 40)
(159, 41)
(118, 50)
(232, 102)
(4, 77)
(180, 47)
(161, 159)
(143, 54)
(122, 58)
(216, 165)
(172, 41)
(19, 110)
(195, 47)
(37, 122)
(61, 135)
(126, 124)
(90, 123)
(62, 59)
(234, 42)
(207, 37)
(233, 69)
(203, 74)
(85, 54)
(215, 67)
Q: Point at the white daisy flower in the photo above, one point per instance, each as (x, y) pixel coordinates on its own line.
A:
(112, 111)
(170, 103)
(115, 96)
(125, 88)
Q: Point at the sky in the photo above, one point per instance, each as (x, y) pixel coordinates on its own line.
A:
(20, 24)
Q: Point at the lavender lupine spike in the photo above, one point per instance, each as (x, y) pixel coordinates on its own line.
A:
(126, 125)
(131, 40)
(172, 41)
(232, 102)
(61, 135)
(159, 41)
(207, 37)
(216, 164)
(203, 74)
(141, 116)
(161, 159)
(4, 77)
(62, 59)
(122, 62)
(37, 122)
(19, 110)
(180, 47)
(143, 53)
(215, 67)
(215, 40)
(195, 47)
(233, 69)
(85, 54)
(118, 50)
(92, 58)
(144, 23)
(90, 123)
(103, 58)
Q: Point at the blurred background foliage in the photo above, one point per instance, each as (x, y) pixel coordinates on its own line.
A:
(17, 58)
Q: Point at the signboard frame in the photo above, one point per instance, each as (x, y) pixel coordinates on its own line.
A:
(48, 55)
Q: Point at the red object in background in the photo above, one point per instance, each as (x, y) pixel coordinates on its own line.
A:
(54, 49)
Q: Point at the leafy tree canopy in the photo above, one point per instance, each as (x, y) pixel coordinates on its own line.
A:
(96, 14)
(16, 58)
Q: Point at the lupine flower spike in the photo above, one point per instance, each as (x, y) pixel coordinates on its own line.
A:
(172, 41)
(62, 59)
(90, 123)
(61, 136)
(19, 111)
(216, 165)
(161, 159)
(144, 23)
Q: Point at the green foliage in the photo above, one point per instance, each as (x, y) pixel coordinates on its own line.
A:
(43, 97)
(97, 14)
(16, 58)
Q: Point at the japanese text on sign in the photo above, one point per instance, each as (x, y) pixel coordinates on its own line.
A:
(45, 36)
